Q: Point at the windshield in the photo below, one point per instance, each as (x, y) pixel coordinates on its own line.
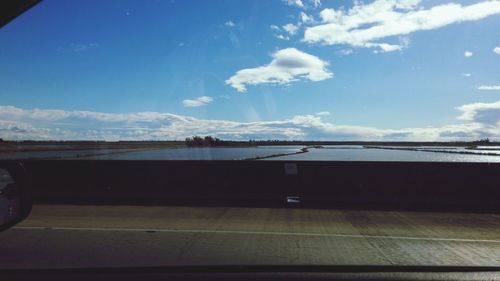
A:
(332, 94)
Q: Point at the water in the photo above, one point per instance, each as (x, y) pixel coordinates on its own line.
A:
(188, 153)
(372, 154)
(488, 147)
(328, 153)
(199, 153)
(58, 153)
(479, 150)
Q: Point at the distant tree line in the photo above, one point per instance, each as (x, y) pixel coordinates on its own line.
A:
(213, 141)
(474, 144)
(482, 141)
(204, 141)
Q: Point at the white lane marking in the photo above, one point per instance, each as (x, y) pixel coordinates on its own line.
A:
(256, 232)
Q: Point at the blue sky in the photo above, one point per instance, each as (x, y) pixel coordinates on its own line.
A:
(288, 69)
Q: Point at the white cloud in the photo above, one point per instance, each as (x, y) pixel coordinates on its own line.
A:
(290, 28)
(385, 48)
(304, 4)
(483, 113)
(390, 48)
(323, 113)
(316, 3)
(467, 74)
(496, 50)
(275, 27)
(345, 52)
(297, 3)
(78, 47)
(282, 37)
(200, 101)
(305, 18)
(468, 54)
(479, 120)
(365, 24)
(331, 15)
(288, 65)
(489, 88)
(229, 23)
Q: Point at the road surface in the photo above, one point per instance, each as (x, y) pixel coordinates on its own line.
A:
(90, 236)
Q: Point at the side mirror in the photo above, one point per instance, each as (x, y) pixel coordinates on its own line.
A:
(15, 203)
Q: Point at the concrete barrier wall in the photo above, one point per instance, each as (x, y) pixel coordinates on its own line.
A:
(380, 185)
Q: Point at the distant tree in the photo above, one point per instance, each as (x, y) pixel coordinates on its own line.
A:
(204, 141)
(209, 141)
(482, 141)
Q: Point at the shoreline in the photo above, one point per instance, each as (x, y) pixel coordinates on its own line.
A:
(302, 150)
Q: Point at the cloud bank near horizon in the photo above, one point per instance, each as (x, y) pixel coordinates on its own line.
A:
(477, 120)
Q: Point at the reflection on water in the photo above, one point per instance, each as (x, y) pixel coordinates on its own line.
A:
(372, 154)
(58, 153)
(191, 153)
(326, 153)
(200, 153)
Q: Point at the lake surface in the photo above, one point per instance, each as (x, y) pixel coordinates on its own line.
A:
(328, 153)
(188, 153)
(200, 153)
(58, 153)
(372, 154)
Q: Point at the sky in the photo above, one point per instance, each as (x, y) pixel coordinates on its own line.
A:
(399, 70)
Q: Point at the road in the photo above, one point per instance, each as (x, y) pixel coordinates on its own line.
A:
(89, 236)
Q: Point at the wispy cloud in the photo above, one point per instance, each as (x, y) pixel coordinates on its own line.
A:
(78, 47)
(306, 19)
(297, 3)
(282, 37)
(304, 4)
(316, 3)
(467, 74)
(323, 113)
(200, 101)
(84, 47)
(365, 24)
(288, 65)
(468, 54)
(275, 27)
(229, 23)
(384, 47)
(345, 52)
(290, 28)
(489, 88)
